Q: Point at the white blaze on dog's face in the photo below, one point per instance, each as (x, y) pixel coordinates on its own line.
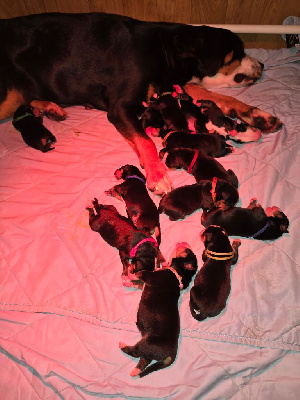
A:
(235, 73)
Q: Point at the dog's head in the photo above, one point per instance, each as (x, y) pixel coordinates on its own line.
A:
(184, 262)
(215, 57)
(128, 170)
(215, 239)
(29, 121)
(280, 220)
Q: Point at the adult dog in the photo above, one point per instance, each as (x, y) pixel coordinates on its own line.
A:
(115, 63)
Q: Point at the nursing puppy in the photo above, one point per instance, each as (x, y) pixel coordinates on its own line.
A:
(212, 284)
(29, 121)
(137, 250)
(139, 206)
(252, 221)
(185, 200)
(199, 164)
(211, 144)
(158, 316)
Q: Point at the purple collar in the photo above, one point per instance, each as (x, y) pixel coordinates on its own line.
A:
(261, 230)
(136, 177)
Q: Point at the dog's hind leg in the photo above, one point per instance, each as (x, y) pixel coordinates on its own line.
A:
(154, 367)
(11, 100)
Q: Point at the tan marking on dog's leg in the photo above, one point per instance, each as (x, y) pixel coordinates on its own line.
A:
(52, 110)
(14, 100)
(234, 108)
(157, 178)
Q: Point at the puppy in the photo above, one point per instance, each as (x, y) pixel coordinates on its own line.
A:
(185, 200)
(252, 221)
(139, 205)
(211, 144)
(199, 164)
(158, 316)
(138, 251)
(212, 285)
(28, 120)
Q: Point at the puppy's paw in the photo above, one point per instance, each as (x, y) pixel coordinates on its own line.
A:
(135, 372)
(126, 282)
(122, 345)
(262, 120)
(236, 243)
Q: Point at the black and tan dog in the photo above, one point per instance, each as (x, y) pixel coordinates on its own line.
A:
(198, 164)
(46, 59)
(212, 284)
(252, 221)
(185, 200)
(29, 121)
(158, 316)
(139, 206)
(138, 251)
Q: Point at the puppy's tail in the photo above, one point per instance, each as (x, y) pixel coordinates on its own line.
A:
(156, 367)
(232, 178)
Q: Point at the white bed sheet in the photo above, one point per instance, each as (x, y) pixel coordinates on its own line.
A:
(63, 309)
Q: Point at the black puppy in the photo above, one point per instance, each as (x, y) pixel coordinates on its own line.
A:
(252, 221)
(199, 164)
(29, 121)
(140, 207)
(185, 200)
(138, 251)
(212, 285)
(158, 316)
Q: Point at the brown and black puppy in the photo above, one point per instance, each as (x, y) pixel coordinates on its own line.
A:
(138, 251)
(212, 284)
(29, 121)
(158, 316)
(185, 200)
(199, 164)
(140, 207)
(252, 221)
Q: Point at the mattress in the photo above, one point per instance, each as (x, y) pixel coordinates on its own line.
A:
(63, 308)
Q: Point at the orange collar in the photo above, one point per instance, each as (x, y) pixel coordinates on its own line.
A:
(213, 189)
(218, 256)
(166, 137)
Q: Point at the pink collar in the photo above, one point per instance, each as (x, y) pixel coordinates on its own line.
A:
(134, 249)
(190, 168)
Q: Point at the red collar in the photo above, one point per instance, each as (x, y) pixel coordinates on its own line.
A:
(190, 168)
(134, 249)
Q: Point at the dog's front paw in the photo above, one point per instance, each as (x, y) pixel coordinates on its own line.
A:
(126, 282)
(51, 110)
(262, 120)
(159, 182)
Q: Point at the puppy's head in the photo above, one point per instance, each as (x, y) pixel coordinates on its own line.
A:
(29, 121)
(279, 218)
(184, 262)
(215, 239)
(179, 158)
(128, 170)
(215, 57)
(226, 195)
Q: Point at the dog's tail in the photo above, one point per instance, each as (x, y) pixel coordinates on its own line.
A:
(156, 367)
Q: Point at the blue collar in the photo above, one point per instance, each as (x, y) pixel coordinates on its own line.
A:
(261, 230)
(136, 177)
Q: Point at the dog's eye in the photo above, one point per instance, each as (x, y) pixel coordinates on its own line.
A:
(239, 78)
